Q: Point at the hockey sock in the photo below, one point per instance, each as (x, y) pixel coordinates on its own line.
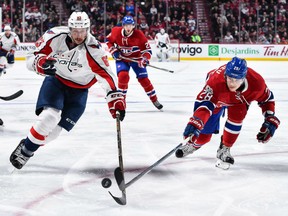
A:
(148, 87)
(46, 122)
(123, 79)
(231, 132)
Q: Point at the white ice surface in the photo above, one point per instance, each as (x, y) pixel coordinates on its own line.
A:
(64, 177)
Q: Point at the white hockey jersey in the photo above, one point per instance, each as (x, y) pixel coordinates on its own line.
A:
(9, 43)
(79, 67)
(162, 40)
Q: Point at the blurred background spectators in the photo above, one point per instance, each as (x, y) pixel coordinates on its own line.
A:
(215, 21)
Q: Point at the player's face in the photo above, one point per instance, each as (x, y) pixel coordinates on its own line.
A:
(128, 28)
(7, 33)
(233, 84)
(78, 35)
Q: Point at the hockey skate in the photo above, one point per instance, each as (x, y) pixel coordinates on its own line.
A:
(1, 122)
(185, 150)
(157, 104)
(18, 158)
(224, 157)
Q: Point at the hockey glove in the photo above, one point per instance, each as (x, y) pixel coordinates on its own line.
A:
(45, 65)
(193, 129)
(268, 128)
(115, 53)
(143, 62)
(116, 102)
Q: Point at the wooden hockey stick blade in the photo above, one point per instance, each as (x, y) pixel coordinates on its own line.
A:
(13, 96)
(120, 200)
(120, 178)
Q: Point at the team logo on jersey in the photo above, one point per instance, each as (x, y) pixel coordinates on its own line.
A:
(129, 50)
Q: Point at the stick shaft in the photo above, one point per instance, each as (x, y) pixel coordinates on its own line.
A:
(148, 65)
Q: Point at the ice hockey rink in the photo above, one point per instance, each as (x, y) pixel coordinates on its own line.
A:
(64, 177)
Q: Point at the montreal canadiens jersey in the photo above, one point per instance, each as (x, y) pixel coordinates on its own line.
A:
(216, 94)
(9, 43)
(79, 67)
(133, 46)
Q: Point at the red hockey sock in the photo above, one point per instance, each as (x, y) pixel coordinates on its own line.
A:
(148, 87)
(123, 79)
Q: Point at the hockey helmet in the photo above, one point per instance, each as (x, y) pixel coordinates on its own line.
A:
(162, 31)
(236, 68)
(128, 20)
(79, 20)
(7, 28)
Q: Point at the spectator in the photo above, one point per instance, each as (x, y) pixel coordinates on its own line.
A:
(195, 38)
(228, 38)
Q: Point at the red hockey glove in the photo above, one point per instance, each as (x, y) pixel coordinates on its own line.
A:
(193, 129)
(268, 128)
(143, 62)
(45, 65)
(116, 102)
(115, 53)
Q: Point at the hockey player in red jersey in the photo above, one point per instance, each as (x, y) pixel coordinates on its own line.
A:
(233, 87)
(131, 43)
(72, 61)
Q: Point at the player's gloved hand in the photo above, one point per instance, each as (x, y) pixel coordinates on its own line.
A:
(193, 129)
(116, 103)
(45, 65)
(115, 53)
(268, 128)
(143, 62)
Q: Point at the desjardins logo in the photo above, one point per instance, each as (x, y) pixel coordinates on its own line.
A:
(213, 50)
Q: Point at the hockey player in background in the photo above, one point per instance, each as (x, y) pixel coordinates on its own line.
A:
(131, 43)
(73, 61)
(233, 87)
(162, 42)
(8, 44)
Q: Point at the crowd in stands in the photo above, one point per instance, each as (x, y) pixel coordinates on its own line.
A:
(261, 21)
(35, 24)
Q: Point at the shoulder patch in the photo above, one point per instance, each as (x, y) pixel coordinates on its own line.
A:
(50, 31)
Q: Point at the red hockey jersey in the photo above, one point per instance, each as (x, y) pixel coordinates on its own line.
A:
(133, 46)
(216, 94)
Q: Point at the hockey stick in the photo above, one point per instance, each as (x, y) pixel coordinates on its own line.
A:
(149, 65)
(13, 96)
(120, 172)
(120, 177)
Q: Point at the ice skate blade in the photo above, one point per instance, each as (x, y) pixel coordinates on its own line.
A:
(222, 165)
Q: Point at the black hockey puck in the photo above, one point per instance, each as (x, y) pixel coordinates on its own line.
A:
(106, 182)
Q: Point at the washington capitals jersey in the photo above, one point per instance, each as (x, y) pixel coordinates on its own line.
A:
(133, 46)
(79, 67)
(216, 94)
(10, 42)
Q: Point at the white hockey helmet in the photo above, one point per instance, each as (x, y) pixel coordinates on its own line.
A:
(162, 31)
(79, 20)
(7, 28)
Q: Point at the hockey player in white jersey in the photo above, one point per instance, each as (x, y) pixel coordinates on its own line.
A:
(8, 44)
(162, 42)
(72, 61)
